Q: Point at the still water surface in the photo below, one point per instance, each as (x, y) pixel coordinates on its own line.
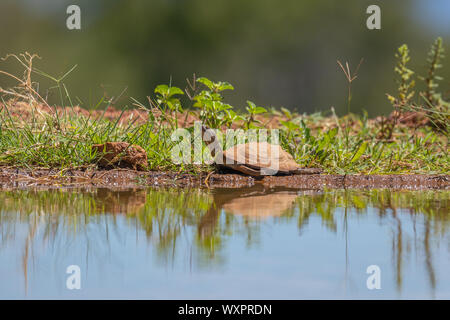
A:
(253, 243)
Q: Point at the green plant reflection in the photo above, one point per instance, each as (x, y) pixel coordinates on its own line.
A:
(209, 218)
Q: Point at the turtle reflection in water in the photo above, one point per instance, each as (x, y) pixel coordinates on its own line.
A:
(257, 202)
(254, 158)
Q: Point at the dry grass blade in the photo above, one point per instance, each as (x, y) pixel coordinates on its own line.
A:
(348, 74)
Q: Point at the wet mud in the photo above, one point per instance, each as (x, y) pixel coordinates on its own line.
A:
(127, 178)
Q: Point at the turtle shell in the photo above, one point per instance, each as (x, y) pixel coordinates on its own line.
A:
(261, 206)
(259, 156)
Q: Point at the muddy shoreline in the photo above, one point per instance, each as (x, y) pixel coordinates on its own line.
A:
(126, 178)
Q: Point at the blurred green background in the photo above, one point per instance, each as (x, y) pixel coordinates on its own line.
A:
(275, 52)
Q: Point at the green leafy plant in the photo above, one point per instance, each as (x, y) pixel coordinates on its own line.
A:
(404, 96)
(405, 81)
(213, 111)
(168, 102)
(252, 110)
(436, 109)
(435, 55)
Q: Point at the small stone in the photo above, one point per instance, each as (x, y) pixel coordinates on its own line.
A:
(121, 154)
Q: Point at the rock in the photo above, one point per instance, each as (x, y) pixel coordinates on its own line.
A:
(121, 154)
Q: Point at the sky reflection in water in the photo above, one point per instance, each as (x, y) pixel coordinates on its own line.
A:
(226, 243)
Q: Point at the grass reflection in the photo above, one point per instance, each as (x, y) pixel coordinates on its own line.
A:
(203, 221)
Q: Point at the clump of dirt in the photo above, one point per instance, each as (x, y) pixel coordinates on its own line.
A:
(121, 155)
(411, 119)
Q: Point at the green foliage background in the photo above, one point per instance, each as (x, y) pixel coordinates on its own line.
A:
(275, 53)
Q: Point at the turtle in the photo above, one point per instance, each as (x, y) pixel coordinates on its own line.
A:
(254, 158)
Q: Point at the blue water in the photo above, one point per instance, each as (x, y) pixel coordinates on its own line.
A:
(140, 247)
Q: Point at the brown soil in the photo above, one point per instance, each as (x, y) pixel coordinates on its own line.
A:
(23, 111)
(124, 178)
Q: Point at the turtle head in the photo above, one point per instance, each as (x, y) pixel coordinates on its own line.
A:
(204, 129)
(210, 138)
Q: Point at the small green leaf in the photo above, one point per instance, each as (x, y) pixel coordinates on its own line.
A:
(162, 89)
(225, 86)
(174, 91)
(206, 82)
(360, 152)
(251, 105)
(286, 112)
(259, 110)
